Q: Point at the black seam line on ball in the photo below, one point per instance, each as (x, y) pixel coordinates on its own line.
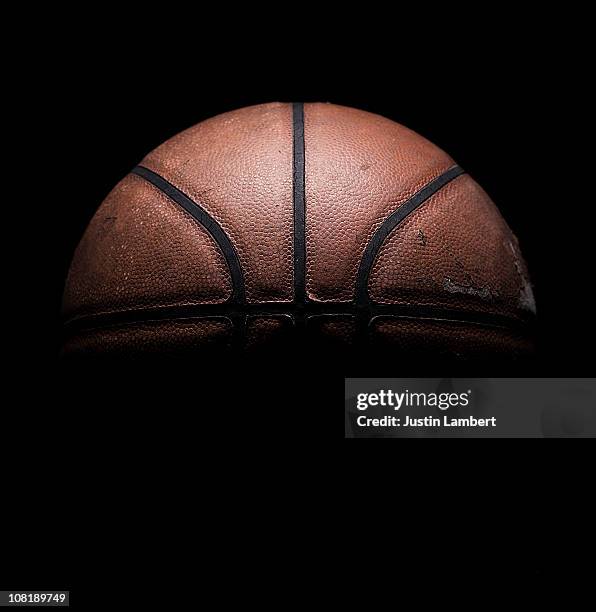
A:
(299, 204)
(232, 311)
(207, 221)
(394, 219)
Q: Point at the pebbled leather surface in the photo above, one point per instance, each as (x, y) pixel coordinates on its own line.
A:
(454, 251)
(267, 332)
(184, 337)
(239, 167)
(332, 330)
(451, 340)
(141, 249)
(359, 168)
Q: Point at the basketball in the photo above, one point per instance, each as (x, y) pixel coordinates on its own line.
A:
(305, 223)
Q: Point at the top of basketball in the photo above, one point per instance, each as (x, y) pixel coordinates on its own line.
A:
(351, 170)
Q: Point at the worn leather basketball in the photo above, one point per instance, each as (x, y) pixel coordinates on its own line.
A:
(280, 223)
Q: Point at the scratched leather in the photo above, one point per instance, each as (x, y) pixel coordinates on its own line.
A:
(359, 168)
(239, 167)
(142, 250)
(160, 338)
(454, 251)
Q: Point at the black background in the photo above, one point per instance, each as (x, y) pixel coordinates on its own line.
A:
(116, 469)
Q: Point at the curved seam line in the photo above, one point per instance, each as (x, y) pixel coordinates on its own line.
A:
(276, 309)
(207, 221)
(265, 314)
(299, 203)
(395, 218)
